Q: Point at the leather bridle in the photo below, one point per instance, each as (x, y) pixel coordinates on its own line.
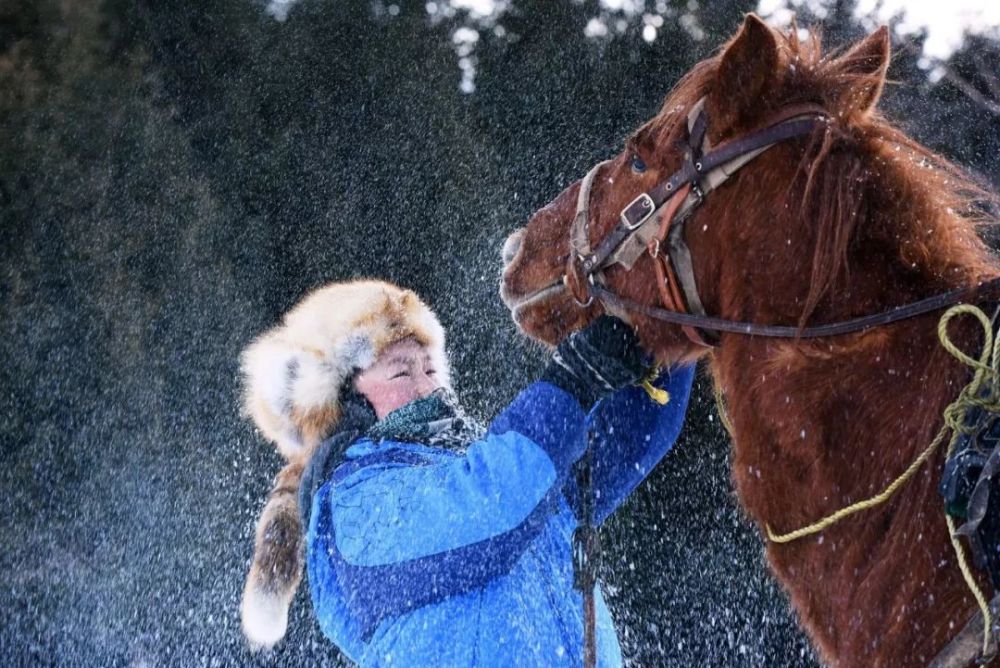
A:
(654, 221)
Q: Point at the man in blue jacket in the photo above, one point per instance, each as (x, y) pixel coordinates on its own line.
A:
(432, 542)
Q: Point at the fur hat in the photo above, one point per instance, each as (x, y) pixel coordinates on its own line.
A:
(294, 372)
(293, 377)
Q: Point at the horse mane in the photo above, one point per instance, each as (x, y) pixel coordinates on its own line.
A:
(860, 178)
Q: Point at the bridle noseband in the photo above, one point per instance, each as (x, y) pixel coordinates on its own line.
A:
(654, 221)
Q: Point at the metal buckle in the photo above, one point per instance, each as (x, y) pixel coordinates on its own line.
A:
(698, 193)
(643, 206)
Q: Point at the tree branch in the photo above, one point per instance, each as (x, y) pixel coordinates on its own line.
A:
(988, 75)
(956, 79)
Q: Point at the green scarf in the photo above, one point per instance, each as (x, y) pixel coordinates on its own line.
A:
(437, 420)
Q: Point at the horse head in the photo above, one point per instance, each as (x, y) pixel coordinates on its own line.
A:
(780, 240)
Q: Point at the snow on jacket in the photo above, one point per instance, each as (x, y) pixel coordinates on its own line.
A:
(421, 556)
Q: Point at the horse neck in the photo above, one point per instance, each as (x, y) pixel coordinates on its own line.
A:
(815, 431)
(835, 416)
(817, 427)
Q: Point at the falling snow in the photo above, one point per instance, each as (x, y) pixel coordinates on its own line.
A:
(173, 179)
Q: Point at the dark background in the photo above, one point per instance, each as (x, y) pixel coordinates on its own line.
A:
(173, 179)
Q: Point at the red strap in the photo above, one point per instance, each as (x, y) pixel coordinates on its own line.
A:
(666, 279)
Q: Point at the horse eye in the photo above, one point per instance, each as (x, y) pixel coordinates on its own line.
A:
(638, 166)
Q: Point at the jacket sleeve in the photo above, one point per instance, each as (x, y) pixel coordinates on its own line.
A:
(409, 529)
(630, 433)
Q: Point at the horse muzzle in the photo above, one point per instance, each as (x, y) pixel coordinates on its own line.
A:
(518, 303)
(511, 247)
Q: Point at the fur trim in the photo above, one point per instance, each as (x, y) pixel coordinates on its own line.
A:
(294, 372)
(278, 561)
(293, 375)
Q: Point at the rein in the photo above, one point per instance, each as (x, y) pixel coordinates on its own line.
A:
(862, 323)
(654, 220)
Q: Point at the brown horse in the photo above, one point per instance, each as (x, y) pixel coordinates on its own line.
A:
(850, 219)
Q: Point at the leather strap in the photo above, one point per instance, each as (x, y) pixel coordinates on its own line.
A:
(708, 169)
(988, 290)
(666, 281)
(581, 222)
(680, 258)
(579, 271)
(587, 556)
(638, 211)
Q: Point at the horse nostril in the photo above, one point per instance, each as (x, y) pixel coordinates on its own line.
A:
(511, 246)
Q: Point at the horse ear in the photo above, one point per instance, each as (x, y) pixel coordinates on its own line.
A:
(864, 68)
(747, 69)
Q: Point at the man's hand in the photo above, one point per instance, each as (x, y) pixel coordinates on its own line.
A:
(599, 359)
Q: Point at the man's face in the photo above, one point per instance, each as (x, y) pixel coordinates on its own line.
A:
(401, 374)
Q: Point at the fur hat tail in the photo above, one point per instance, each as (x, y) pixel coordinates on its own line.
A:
(277, 563)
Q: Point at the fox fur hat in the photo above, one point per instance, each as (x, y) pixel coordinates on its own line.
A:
(295, 371)
(293, 375)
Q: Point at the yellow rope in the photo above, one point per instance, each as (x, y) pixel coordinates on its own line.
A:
(656, 394)
(860, 505)
(970, 581)
(954, 416)
(720, 407)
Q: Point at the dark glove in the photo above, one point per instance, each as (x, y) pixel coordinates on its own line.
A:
(599, 359)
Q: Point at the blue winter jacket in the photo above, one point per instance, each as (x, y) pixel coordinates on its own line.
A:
(425, 557)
